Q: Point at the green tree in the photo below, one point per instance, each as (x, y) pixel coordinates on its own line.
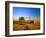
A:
(21, 19)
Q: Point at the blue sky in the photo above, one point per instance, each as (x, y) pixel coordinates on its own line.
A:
(23, 11)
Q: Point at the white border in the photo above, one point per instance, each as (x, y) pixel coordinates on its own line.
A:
(11, 32)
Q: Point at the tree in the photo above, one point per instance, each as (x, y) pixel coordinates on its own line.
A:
(21, 19)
